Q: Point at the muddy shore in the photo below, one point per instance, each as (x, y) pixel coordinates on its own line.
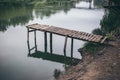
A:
(105, 66)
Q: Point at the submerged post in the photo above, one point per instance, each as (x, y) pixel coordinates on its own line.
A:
(35, 40)
(51, 49)
(28, 47)
(65, 59)
(45, 39)
(90, 4)
(65, 44)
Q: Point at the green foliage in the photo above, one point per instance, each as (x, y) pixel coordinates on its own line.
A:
(110, 21)
(110, 24)
(93, 48)
(110, 37)
(98, 31)
(116, 2)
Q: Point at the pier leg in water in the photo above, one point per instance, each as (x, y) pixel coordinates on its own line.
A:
(45, 41)
(35, 40)
(65, 44)
(71, 47)
(65, 60)
(51, 49)
(90, 4)
(28, 44)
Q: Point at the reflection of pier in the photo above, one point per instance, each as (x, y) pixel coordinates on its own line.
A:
(51, 56)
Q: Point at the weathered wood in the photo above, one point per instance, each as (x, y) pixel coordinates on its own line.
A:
(66, 32)
(31, 30)
(28, 46)
(65, 44)
(51, 49)
(35, 40)
(27, 34)
(103, 39)
(45, 43)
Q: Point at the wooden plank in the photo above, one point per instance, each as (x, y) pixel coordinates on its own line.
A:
(75, 35)
(102, 41)
(98, 38)
(86, 36)
(81, 35)
(91, 38)
(94, 39)
(65, 44)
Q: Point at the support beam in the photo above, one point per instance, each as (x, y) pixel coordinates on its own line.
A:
(51, 48)
(27, 34)
(32, 30)
(28, 46)
(45, 41)
(65, 60)
(35, 40)
(65, 44)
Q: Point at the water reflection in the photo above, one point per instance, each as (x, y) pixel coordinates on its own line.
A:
(17, 13)
(14, 14)
(20, 13)
(45, 55)
(51, 7)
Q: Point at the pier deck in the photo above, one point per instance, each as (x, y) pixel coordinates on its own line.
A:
(68, 33)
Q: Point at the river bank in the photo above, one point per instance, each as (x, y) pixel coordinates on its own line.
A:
(103, 66)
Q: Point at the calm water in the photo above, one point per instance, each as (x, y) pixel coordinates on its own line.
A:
(15, 64)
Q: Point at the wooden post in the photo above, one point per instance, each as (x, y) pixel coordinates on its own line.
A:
(65, 44)
(28, 47)
(65, 61)
(27, 34)
(71, 47)
(35, 40)
(51, 49)
(90, 4)
(45, 43)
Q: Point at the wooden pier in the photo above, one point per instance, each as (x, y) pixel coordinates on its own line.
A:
(63, 32)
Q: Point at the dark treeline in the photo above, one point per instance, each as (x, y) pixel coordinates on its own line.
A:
(19, 12)
(14, 14)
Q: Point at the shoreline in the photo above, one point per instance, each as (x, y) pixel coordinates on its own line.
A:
(103, 66)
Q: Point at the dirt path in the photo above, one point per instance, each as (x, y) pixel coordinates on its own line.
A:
(103, 67)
